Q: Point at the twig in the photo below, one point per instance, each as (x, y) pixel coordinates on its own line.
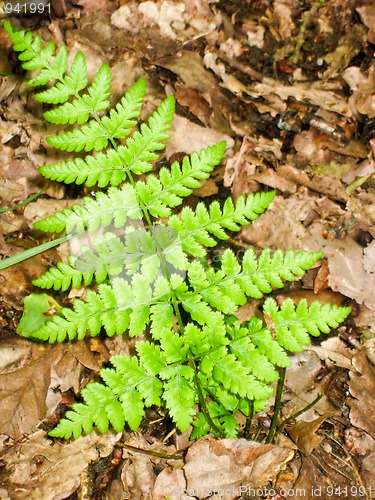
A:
(150, 452)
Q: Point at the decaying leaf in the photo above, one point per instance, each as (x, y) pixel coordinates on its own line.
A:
(304, 433)
(36, 468)
(362, 388)
(216, 465)
(347, 265)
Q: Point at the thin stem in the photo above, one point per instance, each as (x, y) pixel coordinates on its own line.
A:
(277, 406)
(214, 428)
(301, 35)
(22, 204)
(249, 418)
(300, 412)
(27, 254)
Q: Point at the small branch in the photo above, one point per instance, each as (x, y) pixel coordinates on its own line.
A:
(150, 452)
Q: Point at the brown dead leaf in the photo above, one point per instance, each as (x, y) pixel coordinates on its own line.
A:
(368, 464)
(194, 101)
(24, 382)
(217, 465)
(333, 188)
(36, 468)
(170, 483)
(321, 278)
(190, 68)
(362, 99)
(186, 136)
(334, 349)
(348, 265)
(67, 372)
(358, 442)
(367, 13)
(281, 225)
(362, 389)
(325, 96)
(324, 475)
(97, 5)
(138, 475)
(304, 433)
(349, 45)
(26, 369)
(15, 281)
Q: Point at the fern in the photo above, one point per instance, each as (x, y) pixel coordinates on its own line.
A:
(149, 272)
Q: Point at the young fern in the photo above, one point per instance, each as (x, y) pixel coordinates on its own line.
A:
(153, 276)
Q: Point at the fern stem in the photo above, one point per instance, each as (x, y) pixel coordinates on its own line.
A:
(214, 429)
(249, 418)
(300, 412)
(277, 406)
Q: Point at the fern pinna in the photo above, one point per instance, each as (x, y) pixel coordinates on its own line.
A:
(153, 277)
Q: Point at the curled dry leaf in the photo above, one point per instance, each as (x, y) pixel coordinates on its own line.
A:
(195, 137)
(304, 433)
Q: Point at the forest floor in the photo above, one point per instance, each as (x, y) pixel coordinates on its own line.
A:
(290, 85)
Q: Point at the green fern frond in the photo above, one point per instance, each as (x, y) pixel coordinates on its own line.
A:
(229, 287)
(294, 325)
(63, 276)
(199, 363)
(115, 307)
(68, 84)
(116, 206)
(262, 338)
(242, 347)
(87, 138)
(30, 48)
(79, 110)
(179, 395)
(197, 228)
(140, 250)
(122, 118)
(103, 169)
(260, 275)
(113, 166)
(174, 184)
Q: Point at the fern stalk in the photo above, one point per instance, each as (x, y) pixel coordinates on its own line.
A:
(277, 406)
